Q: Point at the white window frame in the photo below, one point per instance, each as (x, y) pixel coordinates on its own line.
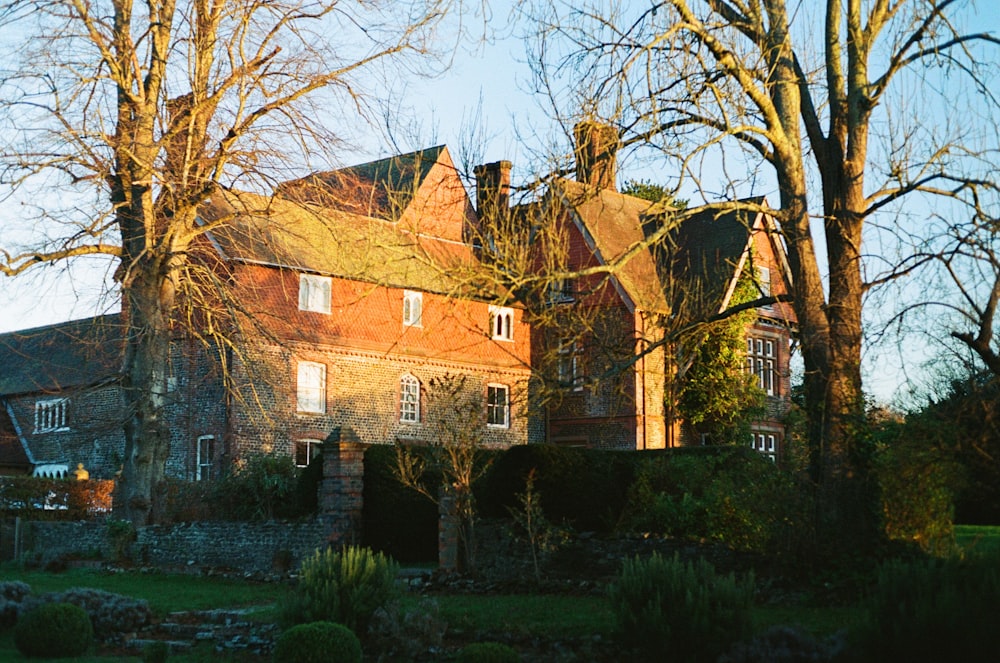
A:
(311, 446)
(314, 293)
(409, 400)
(52, 415)
(204, 457)
(413, 308)
(310, 387)
(761, 363)
(497, 414)
(764, 281)
(501, 323)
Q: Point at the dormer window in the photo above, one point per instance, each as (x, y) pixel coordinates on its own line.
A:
(413, 308)
(314, 293)
(502, 323)
(52, 415)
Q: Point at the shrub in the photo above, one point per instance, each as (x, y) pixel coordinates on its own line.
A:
(934, 610)
(398, 634)
(12, 593)
(398, 520)
(488, 652)
(53, 630)
(317, 642)
(109, 613)
(666, 607)
(345, 587)
(261, 487)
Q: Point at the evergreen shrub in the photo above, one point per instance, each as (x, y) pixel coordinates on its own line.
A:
(399, 521)
(488, 652)
(53, 630)
(667, 608)
(346, 587)
(12, 593)
(583, 488)
(934, 610)
(317, 642)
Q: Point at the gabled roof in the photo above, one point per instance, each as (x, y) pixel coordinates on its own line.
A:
(61, 356)
(693, 267)
(12, 449)
(612, 224)
(380, 189)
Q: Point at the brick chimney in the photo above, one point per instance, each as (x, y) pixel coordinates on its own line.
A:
(596, 149)
(492, 190)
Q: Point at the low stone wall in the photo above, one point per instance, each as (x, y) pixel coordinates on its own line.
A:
(269, 547)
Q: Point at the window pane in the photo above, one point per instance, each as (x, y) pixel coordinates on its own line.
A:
(409, 399)
(496, 405)
(311, 387)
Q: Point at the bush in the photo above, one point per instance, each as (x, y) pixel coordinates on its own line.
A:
(345, 587)
(261, 487)
(109, 613)
(12, 593)
(398, 520)
(784, 644)
(53, 630)
(317, 642)
(934, 610)
(666, 607)
(488, 652)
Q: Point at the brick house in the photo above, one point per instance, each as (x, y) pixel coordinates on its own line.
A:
(359, 299)
(609, 354)
(356, 324)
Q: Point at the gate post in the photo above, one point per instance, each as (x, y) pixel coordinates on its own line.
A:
(341, 492)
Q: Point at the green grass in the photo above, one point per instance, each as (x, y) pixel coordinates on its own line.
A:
(165, 592)
(980, 539)
(529, 614)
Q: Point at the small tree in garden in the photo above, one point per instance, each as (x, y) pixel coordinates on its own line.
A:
(456, 452)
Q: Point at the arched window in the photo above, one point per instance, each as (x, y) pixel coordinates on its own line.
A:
(502, 323)
(409, 399)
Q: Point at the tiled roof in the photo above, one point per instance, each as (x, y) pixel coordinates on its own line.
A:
(279, 232)
(613, 222)
(56, 357)
(380, 189)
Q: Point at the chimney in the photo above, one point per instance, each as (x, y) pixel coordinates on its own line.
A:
(596, 147)
(492, 190)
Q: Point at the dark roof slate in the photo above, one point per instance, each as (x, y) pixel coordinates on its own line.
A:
(56, 357)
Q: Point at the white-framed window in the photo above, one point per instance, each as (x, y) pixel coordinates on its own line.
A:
(413, 308)
(409, 399)
(497, 406)
(52, 415)
(761, 360)
(766, 444)
(311, 387)
(570, 365)
(204, 457)
(306, 451)
(314, 293)
(764, 281)
(502, 323)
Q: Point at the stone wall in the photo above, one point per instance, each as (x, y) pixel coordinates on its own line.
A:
(269, 547)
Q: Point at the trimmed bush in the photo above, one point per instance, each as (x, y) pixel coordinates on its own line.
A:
(934, 610)
(346, 587)
(685, 612)
(110, 614)
(12, 593)
(488, 652)
(317, 642)
(399, 521)
(53, 630)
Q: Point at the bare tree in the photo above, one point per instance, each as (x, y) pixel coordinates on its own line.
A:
(803, 90)
(133, 114)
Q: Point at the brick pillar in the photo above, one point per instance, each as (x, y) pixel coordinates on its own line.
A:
(448, 545)
(341, 492)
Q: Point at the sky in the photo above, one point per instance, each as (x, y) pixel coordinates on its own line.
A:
(486, 85)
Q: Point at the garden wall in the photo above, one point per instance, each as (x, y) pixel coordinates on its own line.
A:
(270, 547)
